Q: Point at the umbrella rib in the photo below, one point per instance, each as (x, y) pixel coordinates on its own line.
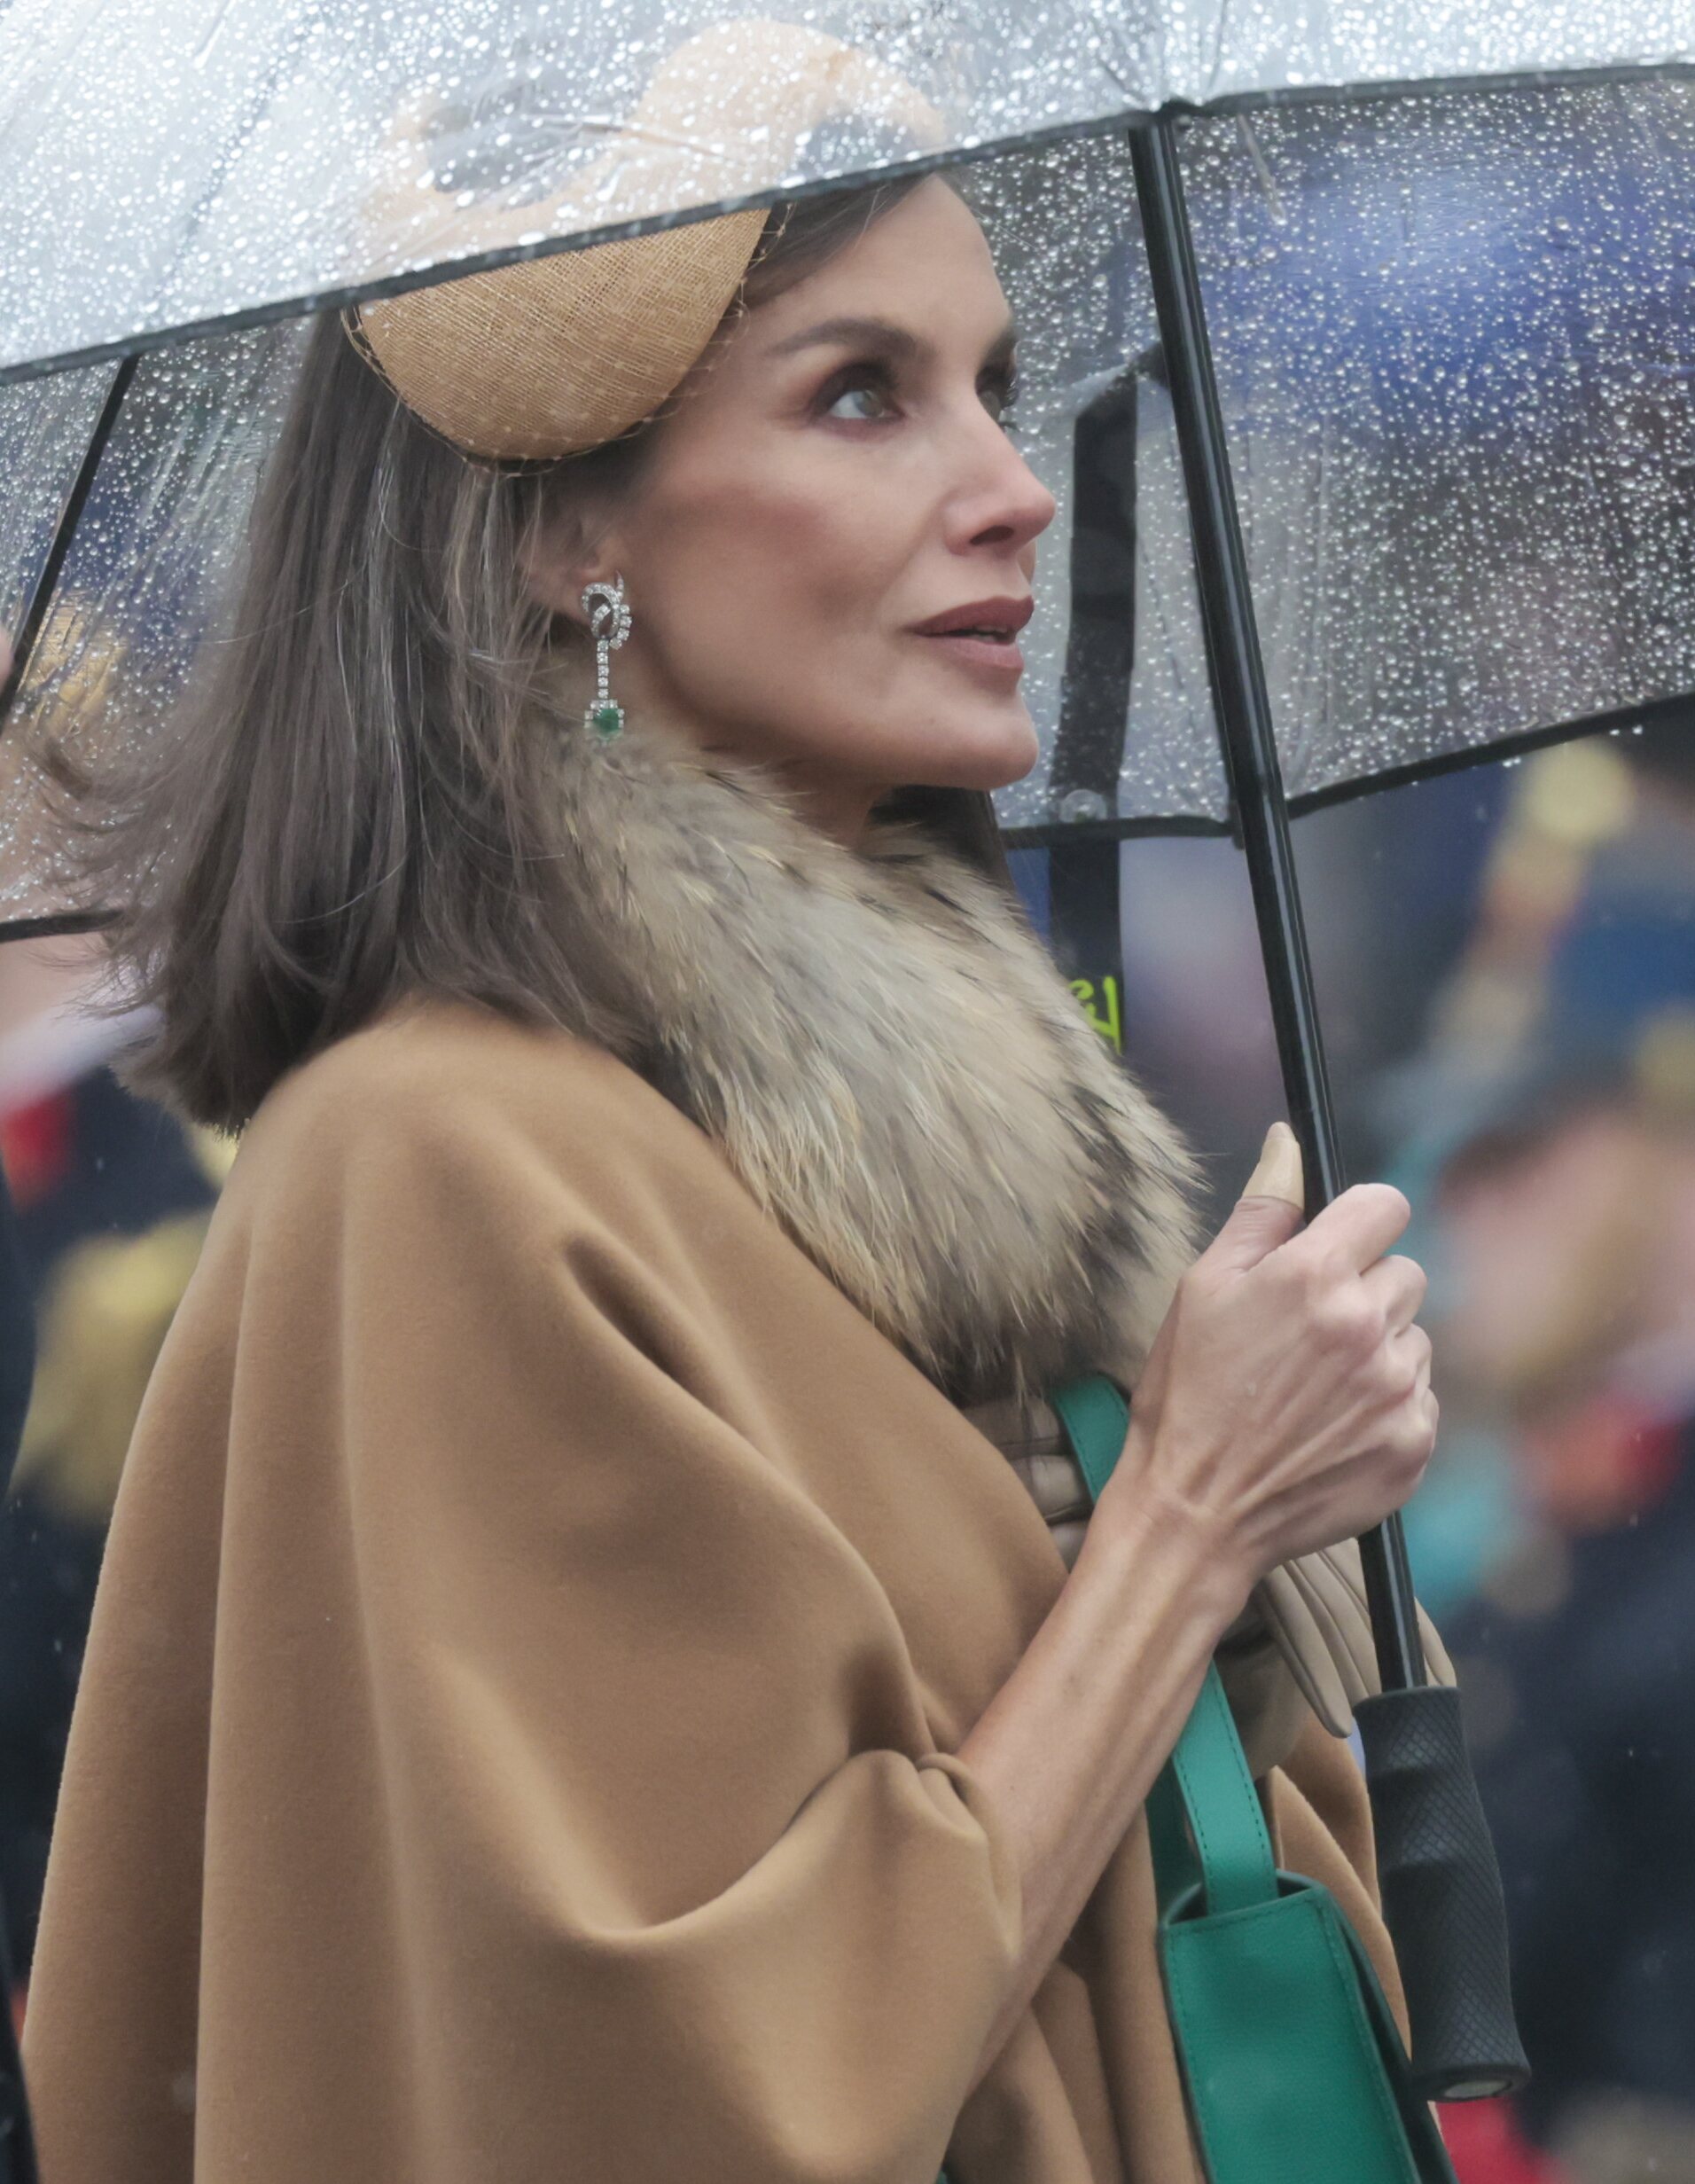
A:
(40, 598)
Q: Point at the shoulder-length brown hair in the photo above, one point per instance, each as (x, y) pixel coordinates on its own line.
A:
(359, 804)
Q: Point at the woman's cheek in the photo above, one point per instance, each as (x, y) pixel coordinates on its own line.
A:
(786, 577)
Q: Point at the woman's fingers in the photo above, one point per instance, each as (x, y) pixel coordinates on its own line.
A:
(1354, 1230)
(1424, 1395)
(1292, 1370)
(1396, 1287)
(1407, 1359)
(1409, 1356)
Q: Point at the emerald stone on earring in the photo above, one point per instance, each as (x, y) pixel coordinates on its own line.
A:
(608, 613)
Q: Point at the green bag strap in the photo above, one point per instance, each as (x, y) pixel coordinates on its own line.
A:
(1206, 1771)
(1293, 2068)
(1097, 1417)
(1238, 1869)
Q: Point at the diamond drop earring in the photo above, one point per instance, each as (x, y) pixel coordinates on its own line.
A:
(608, 613)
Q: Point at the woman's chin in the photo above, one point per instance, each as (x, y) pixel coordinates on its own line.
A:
(988, 758)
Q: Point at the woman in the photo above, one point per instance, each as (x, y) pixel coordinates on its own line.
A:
(574, 1695)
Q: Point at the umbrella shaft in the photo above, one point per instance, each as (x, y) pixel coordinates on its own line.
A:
(1244, 712)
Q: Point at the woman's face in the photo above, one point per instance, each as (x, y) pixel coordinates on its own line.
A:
(836, 483)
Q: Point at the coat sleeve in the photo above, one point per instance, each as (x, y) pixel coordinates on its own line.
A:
(683, 1890)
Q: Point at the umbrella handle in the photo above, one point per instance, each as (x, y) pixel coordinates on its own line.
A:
(1442, 1896)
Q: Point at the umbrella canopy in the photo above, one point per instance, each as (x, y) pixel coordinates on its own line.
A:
(1451, 303)
(1455, 340)
(181, 162)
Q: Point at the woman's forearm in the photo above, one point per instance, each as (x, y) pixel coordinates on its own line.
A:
(1286, 1404)
(1070, 1745)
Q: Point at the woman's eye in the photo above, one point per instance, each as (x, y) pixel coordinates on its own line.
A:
(862, 402)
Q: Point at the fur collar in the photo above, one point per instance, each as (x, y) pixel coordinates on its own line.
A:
(888, 1057)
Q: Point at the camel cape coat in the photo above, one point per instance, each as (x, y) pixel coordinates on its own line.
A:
(516, 1736)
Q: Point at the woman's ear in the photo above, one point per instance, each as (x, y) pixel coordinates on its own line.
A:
(560, 557)
(554, 568)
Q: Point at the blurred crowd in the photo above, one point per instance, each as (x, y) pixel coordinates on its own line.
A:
(1556, 1162)
(1507, 960)
(1506, 965)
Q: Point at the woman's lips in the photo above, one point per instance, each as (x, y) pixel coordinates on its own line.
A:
(998, 656)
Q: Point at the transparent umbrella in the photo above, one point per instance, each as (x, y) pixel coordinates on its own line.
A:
(1442, 254)
(1360, 356)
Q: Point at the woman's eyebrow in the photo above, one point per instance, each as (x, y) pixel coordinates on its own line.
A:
(883, 336)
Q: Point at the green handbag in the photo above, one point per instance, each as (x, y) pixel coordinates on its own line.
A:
(1292, 2066)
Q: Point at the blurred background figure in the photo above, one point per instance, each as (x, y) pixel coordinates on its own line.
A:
(110, 1200)
(1570, 1225)
(1567, 1215)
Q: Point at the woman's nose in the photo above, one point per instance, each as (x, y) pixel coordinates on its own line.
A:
(1002, 503)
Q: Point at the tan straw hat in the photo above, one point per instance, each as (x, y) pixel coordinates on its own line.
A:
(552, 356)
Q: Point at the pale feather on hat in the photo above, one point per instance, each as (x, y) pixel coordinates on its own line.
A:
(553, 355)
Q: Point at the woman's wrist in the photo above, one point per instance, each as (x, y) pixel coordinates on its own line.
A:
(1141, 1523)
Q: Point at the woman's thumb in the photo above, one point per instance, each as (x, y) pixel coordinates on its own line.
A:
(1272, 1208)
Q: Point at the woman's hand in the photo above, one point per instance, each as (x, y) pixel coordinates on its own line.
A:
(1286, 1403)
